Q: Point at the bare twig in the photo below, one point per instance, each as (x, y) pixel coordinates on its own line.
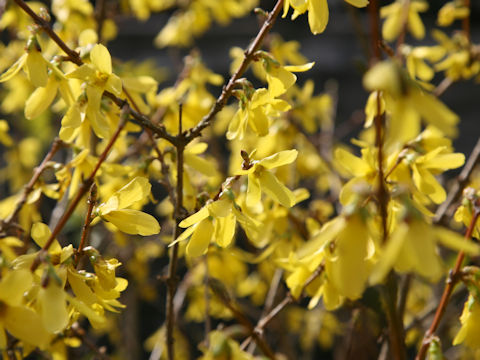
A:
(459, 184)
(92, 198)
(179, 215)
(57, 144)
(288, 299)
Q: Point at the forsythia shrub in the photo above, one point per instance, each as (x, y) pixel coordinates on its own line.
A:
(296, 248)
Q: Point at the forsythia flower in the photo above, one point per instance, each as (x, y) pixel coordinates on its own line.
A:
(413, 247)
(99, 78)
(452, 11)
(469, 333)
(19, 320)
(407, 102)
(261, 178)
(317, 11)
(128, 220)
(256, 113)
(395, 13)
(215, 220)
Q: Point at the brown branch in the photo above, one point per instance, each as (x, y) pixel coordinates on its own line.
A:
(87, 183)
(452, 280)
(227, 89)
(219, 290)
(100, 17)
(172, 266)
(287, 300)
(92, 198)
(57, 144)
(459, 184)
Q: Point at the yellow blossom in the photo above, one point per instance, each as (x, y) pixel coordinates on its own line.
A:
(317, 11)
(128, 220)
(260, 178)
(99, 78)
(395, 18)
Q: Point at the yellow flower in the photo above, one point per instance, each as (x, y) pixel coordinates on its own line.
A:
(469, 333)
(395, 17)
(281, 78)
(317, 11)
(19, 320)
(128, 220)
(452, 11)
(412, 246)
(260, 178)
(407, 102)
(5, 139)
(216, 220)
(256, 113)
(99, 78)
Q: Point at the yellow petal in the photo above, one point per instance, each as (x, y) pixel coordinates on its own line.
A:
(279, 80)
(415, 25)
(317, 15)
(195, 218)
(97, 120)
(389, 255)
(358, 3)
(224, 230)
(354, 165)
(14, 284)
(253, 191)
(53, 305)
(40, 234)
(41, 99)
(100, 57)
(456, 241)
(133, 222)
(220, 208)
(299, 68)
(114, 85)
(279, 159)
(200, 240)
(26, 325)
(276, 190)
(14, 69)
(37, 68)
(137, 189)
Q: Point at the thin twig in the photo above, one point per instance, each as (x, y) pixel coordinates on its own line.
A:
(288, 299)
(458, 185)
(219, 290)
(57, 144)
(179, 215)
(452, 280)
(92, 198)
(100, 16)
